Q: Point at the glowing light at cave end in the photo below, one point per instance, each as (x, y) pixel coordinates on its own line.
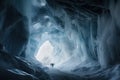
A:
(44, 54)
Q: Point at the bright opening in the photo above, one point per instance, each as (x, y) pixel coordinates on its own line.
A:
(44, 54)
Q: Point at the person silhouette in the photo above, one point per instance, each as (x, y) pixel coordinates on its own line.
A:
(52, 64)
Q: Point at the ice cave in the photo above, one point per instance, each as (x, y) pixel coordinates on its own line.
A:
(59, 40)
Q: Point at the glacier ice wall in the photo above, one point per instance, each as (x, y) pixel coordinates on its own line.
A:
(108, 35)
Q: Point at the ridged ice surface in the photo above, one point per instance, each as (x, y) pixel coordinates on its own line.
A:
(69, 39)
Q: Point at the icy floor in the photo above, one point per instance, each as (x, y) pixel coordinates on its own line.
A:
(112, 73)
(59, 75)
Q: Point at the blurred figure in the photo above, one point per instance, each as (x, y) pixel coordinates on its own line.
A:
(52, 64)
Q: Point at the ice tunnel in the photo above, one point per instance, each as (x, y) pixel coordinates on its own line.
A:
(59, 40)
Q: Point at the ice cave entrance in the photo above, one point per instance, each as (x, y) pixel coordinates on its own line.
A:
(44, 54)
